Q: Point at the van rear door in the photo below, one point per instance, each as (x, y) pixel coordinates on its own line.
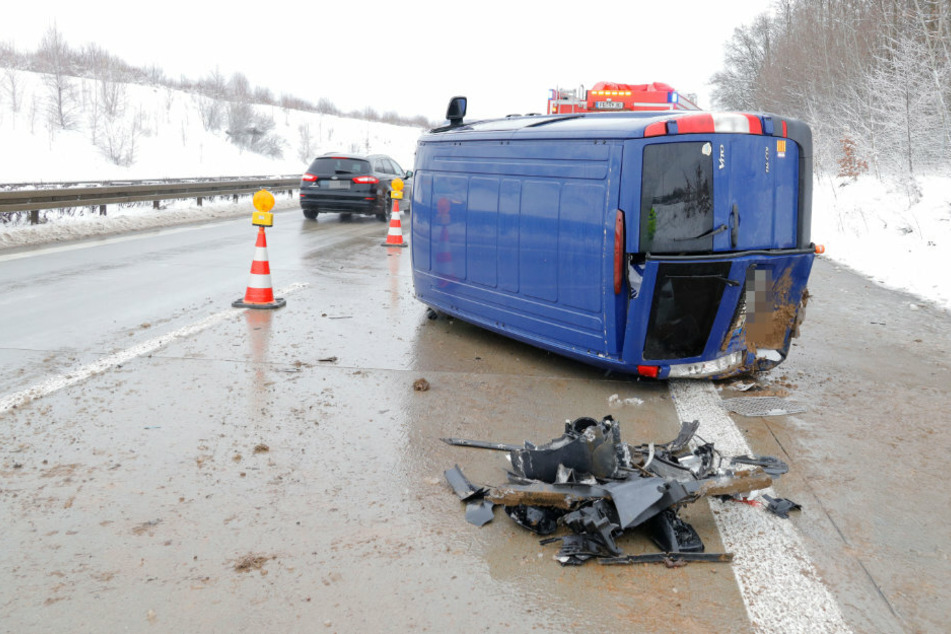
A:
(756, 189)
(713, 193)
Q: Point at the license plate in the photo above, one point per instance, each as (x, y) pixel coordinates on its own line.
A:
(609, 105)
(338, 184)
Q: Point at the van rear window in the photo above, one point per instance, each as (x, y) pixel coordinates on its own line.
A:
(338, 165)
(677, 198)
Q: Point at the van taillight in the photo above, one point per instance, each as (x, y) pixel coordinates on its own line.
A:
(650, 371)
(308, 177)
(618, 252)
(372, 180)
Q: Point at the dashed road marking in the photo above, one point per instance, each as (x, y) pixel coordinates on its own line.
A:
(59, 381)
(777, 580)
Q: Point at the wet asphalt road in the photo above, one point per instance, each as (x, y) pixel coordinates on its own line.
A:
(276, 470)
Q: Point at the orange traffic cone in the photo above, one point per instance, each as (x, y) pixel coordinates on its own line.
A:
(259, 293)
(394, 237)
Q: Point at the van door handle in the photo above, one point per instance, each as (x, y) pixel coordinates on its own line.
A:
(706, 234)
(734, 225)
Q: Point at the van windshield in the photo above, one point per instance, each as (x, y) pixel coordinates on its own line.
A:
(677, 198)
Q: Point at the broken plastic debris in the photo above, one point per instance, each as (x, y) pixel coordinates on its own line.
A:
(538, 519)
(460, 484)
(480, 512)
(772, 466)
(780, 506)
(672, 534)
(591, 483)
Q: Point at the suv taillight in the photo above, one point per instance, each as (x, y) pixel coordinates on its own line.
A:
(308, 177)
(372, 180)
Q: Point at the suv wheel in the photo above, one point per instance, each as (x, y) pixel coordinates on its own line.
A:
(387, 205)
(310, 214)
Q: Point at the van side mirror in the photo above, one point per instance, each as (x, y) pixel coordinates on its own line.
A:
(409, 174)
(456, 111)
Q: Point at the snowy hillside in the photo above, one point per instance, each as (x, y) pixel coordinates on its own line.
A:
(128, 131)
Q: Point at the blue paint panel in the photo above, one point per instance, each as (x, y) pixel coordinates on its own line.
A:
(585, 161)
(420, 224)
(538, 231)
(510, 196)
(482, 229)
(450, 197)
(763, 186)
(786, 195)
(580, 240)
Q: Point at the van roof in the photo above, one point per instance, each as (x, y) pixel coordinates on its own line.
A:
(614, 125)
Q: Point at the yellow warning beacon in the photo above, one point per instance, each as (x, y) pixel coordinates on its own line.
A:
(263, 203)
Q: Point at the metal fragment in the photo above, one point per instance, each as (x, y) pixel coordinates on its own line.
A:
(667, 558)
(480, 444)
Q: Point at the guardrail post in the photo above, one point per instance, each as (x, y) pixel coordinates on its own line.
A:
(199, 201)
(234, 198)
(102, 210)
(35, 217)
(155, 204)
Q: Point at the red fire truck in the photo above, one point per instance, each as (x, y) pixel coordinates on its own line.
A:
(610, 97)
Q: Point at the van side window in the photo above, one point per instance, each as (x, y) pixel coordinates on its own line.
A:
(676, 198)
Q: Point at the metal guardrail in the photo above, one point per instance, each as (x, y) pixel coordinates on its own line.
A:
(36, 199)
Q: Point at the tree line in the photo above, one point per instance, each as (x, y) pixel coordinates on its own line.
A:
(63, 64)
(872, 78)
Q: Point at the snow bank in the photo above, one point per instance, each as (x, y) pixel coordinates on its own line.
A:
(888, 233)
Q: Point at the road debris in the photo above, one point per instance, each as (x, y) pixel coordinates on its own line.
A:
(421, 385)
(596, 486)
(250, 562)
(780, 506)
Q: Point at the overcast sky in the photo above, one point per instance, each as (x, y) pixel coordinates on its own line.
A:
(411, 56)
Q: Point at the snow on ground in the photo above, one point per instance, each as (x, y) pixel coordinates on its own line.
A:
(867, 225)
(164, 127)
(875, 229)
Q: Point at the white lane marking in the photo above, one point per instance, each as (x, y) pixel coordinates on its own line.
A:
(59, 381)
(778, 582)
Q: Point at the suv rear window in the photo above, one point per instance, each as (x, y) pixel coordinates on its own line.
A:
(677, 198)
(330, 165)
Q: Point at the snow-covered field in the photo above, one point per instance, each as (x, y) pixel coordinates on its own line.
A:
(870, 226)
(873, 227)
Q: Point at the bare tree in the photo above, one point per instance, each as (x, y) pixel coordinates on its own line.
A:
(305, 151)
(55, 60)
(874, 72)
(13, 91)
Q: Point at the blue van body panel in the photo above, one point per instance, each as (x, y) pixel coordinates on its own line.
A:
(506, 230)
(513, 229)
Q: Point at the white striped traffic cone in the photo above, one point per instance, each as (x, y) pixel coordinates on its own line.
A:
(394, 237)
(259, 293)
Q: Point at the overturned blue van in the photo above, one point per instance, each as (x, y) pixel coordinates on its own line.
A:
(662, 244)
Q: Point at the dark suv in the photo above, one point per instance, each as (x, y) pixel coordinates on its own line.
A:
(352, 183)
